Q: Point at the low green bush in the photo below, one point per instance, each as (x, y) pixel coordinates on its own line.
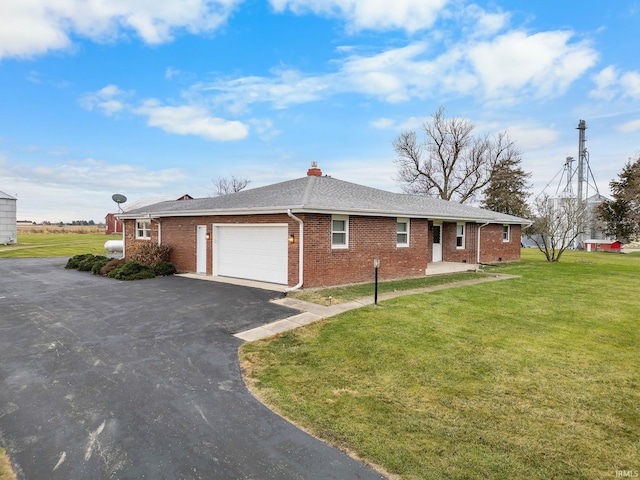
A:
(99, 264)
(131, 270)
(164, 269)
(74, 261)
(87, 264)
(110, 265)
(119, 268)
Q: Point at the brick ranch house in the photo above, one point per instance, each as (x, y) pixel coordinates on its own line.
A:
(319, 231)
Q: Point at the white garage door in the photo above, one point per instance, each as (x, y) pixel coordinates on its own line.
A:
(254, 252)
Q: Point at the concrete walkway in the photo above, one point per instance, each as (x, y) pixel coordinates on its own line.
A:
(312, 312)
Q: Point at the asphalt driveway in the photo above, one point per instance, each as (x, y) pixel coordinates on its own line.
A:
(102, 379)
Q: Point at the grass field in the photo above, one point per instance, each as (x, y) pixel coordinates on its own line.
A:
(55, 245)
(532, 378)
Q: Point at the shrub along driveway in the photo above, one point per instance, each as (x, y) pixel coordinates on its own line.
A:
(129, 380)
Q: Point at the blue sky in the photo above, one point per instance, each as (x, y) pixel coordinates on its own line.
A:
(124, 96)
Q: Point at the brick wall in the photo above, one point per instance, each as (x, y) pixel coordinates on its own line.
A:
(181, 234)
(494, 249)
(369, 238)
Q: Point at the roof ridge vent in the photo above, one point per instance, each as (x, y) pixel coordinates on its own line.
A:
(314, 171)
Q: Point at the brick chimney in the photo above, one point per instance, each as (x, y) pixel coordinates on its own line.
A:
(314, 171)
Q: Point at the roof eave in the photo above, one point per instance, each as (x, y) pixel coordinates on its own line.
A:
(326, 211)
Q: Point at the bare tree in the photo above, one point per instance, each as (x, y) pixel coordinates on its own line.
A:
(450, 162)
(225, 185)
(557, 224)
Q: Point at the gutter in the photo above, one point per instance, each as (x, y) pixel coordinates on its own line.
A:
(300, 254)
(480, 228)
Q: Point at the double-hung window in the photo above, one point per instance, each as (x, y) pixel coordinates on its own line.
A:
(460, 235)
(339, 231)
(143, 229)
(506, 233)
(402, 232)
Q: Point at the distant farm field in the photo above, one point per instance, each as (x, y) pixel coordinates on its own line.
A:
(53, 241)
(57, 229)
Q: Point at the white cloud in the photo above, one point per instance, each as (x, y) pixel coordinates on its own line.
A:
(542, 64)
(82, 189)
(191, 120)
(408, 15)
(477, 22)
(532, 137)
(79, 173)
(611, 83)
(109, 100)
(630, 126)
(510, 68)
(34, 27)
(382, 123)
(630, 83)
(606, 81)
(285, 88)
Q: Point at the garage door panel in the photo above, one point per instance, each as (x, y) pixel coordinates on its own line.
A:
(252, 252)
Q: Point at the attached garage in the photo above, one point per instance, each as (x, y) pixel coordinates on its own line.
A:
(253, 252)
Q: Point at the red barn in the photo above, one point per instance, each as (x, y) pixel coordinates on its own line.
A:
(602, 245)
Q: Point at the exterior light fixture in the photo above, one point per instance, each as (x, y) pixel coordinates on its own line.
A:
(292, 238)
(208, 236)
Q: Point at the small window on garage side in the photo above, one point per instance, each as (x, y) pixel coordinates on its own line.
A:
(143, 229)
(402, 232)
(506, 233)
(460, 235)
(339, 231)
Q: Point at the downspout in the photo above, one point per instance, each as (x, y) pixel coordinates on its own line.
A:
(124, 251)
(300, 254)
(480, 228)
(159, 228)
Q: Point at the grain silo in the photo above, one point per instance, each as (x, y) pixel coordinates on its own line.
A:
(8, 229)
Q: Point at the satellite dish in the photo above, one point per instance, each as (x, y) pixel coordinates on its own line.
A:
(118, 198)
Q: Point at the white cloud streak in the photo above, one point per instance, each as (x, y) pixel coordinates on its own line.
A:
(630, 126)
(408, 15)
(35, 27)
(191, 120)
(188, 119)
(509, 68)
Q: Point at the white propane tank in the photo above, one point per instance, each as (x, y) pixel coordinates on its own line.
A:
(114, 246)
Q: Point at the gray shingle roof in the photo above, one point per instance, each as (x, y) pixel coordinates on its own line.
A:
(323, 195)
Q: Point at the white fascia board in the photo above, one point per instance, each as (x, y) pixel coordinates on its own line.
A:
(302, 210)
(204, 213)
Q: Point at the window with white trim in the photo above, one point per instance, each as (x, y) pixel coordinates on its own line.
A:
(143, 229)
(339, 231)
(506, 233)
(460, 235)
(402, 232)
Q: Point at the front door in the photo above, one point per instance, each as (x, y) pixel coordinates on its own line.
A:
(201, 249)
(437, 242)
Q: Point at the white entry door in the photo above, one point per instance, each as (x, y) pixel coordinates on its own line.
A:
(254, 252)
(437, 242)
(201, 249)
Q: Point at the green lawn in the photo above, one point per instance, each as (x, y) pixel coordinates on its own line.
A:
(56, 245)
(531, 378)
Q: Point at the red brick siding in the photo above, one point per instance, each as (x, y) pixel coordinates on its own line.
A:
(369, 238)
(493, 249)
(451, 253)
(181, 234)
